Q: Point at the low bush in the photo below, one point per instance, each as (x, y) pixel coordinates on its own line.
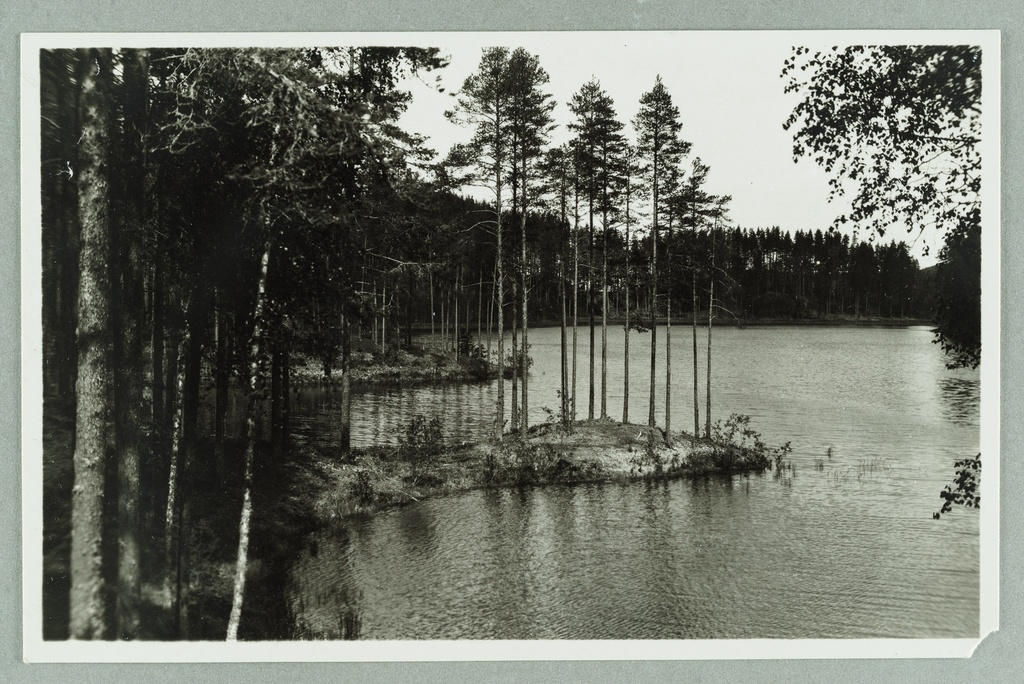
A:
(423, 439)
(736, 447)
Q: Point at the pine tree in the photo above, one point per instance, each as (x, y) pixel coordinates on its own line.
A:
(659, 148)
(484, 104)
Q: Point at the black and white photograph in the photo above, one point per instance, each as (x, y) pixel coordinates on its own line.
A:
(510, 345)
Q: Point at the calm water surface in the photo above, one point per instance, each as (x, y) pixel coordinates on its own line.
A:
(841, 547)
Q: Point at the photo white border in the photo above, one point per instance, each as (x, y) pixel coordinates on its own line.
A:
(35, 649)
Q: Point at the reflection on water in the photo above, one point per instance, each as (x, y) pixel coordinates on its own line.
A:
(961, 399)
(842, 545)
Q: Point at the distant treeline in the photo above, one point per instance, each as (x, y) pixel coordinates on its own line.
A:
(758, 273)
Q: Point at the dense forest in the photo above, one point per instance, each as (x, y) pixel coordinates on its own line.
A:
(211, 217)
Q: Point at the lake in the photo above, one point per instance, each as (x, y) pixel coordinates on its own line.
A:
(844, 545)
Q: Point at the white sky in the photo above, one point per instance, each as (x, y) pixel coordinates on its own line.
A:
(726, 85)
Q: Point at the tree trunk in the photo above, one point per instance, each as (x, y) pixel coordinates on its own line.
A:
(604, 318)
(345, 429)
(408, 309)
(696, 406)
(575, 300)
(131, 413)
(479, 309)
(668, 335)
(514, 425)
(455, 308)
(625, 358)
(256, 351)
(524, 291)
(564, 351)
(711, 311)
(499, 409)
(590, 310)
(193, 384)
(490, 312)
(92, 389)
(563, 346)
(172, 520)
(654, 299)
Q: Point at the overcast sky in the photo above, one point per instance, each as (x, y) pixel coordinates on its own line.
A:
(727, 88)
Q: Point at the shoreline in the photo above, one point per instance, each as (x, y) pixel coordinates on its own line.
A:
(702, 322)
(374, 479)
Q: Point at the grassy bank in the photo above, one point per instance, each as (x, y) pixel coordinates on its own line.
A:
(422, 465)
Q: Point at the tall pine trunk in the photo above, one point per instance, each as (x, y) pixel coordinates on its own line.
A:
(515, 358)
(524, 292)
(625, 357)
(590, 309)
(711, 311)
(668, 335)
(479, 309)
(575, 298)
(499, 408)
(562, 294)
(654, 300)
(696, 405)
(604, 318)
(92, 388)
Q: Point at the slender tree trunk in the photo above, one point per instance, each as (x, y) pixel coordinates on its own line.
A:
(668, 335)
(345, 429)
(625, 358)
(430, 280)
(524, 292)
(563, 346)
(376, 342)
(604, 319)
(94, 341)
(499, 417)
(514, 426)
(696, 405)
(575, 302)
(455, 308)
(255, 351)
(711, 316)
(409, 284)
(654, 299)
(184, 564)
(490, 313)
(590, 311)
(172, 521)
(479, 309)
(562, 294)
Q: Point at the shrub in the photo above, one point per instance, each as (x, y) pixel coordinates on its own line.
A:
(478, 368)
(738, 447)
(361, 488)
(423, 439)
